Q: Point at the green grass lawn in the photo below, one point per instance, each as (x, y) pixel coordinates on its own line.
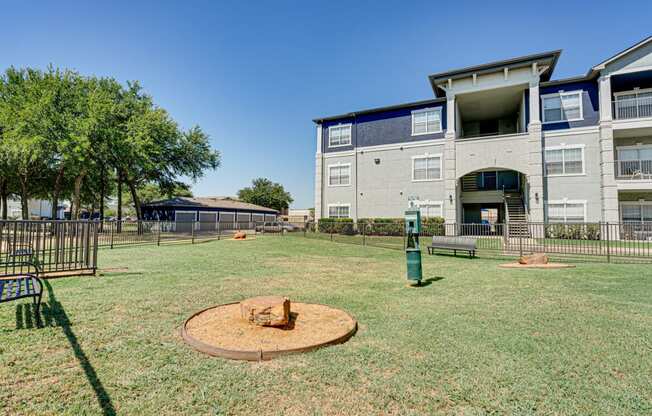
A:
(475, 340)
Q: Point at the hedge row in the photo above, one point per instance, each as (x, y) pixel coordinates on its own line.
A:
(377, 226)
(573, 231)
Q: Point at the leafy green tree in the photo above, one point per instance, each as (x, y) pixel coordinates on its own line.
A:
(267, 194)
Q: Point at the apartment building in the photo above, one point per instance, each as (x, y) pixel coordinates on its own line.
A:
(503, 141)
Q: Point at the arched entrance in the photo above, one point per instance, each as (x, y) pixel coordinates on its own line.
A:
(493, 196)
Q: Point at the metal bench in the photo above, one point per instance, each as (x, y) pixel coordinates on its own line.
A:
(21, 280)
(467, 244)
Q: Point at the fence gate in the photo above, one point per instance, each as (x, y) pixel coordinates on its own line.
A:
(57, 246)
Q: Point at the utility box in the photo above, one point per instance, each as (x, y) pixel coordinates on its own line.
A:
(412, 221)
(412, 248)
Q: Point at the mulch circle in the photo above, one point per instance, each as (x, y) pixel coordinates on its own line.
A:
(220, 331)
(537, 266)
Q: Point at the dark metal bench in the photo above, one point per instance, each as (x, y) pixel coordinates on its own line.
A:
(21, 280)
(467, 244)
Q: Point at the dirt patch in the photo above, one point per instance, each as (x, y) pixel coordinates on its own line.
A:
(537, 266)
(221, 331)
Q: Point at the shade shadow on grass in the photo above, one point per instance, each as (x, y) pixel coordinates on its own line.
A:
(55, 315)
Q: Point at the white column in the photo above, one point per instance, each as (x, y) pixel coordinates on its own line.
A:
(450, 173)
(535, 163)
(319, 183)
(610, 211)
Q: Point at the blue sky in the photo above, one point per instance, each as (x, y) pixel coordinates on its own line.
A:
(253, 74)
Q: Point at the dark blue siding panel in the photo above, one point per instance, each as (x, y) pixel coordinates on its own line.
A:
(324, 132)
(590, 105)
(386, 127)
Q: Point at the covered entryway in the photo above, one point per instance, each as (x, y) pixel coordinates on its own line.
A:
(493, 196)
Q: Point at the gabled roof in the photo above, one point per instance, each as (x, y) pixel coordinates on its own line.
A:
(550, 58)
(209, 202)
(619, 55)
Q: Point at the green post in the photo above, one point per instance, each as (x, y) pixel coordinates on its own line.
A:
(412, 248)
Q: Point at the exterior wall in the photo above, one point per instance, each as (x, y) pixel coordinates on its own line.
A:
(338, 194)
(585, 187)
(590, 104)
(382, 128)
(506, 152)
(384, 188)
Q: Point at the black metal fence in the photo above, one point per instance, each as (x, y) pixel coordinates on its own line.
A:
(57, 246)
(606, 241)
(120, 233)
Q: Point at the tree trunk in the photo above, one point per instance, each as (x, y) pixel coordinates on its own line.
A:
(134, 196)
(77, 196)
(55, 194)
(4, 198)
(24, 198)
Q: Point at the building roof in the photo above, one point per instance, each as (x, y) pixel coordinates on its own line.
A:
(550, 58)
(620, 54)
(209, 202)
(379, 109)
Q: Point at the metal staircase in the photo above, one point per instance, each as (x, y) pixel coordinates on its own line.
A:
(515, 215)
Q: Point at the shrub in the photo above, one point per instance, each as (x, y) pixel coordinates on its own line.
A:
(592, 231)
(336, 226)
(381, 226)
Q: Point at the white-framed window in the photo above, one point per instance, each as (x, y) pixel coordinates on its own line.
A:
(562, 106)
(567, 211)
(636, 211)
(426, 121)
(430, 209)
(426, 168)
(339, 135)
(564, 160)
(339, 211)
(339, 174)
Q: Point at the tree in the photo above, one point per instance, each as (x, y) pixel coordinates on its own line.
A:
(64, 135)
(267, 194)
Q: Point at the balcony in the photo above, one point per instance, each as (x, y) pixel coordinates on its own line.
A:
(633, 106)
(634, 170)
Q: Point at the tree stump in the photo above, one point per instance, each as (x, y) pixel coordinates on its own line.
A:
(266, 310)
(536, 258)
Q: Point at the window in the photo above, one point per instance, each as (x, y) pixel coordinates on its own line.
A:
(636, 211)
(430, 209)
(339, 135)
(565, 161)
(562, 106)
(339, 175)
(566, 211)
(426, 168)
(426, 121)
(339, 211)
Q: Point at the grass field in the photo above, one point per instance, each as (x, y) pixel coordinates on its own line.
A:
(475, 340)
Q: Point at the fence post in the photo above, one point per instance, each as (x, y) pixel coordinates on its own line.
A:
(112, 231)
(364, 233)
(608, 244)
(95, 240)
(158, 237)
(520, 244)
(192, 231)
